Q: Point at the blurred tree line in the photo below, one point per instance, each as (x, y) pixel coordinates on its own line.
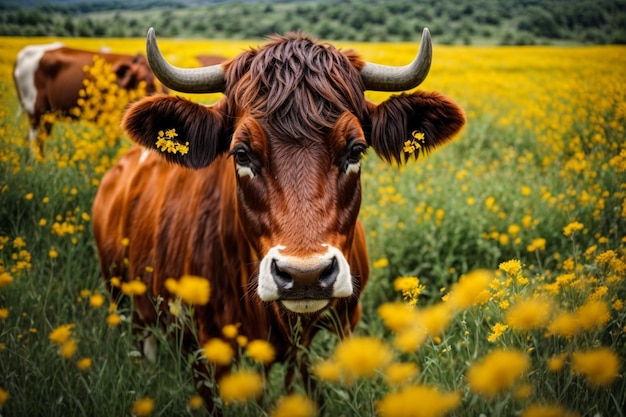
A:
(505, 22)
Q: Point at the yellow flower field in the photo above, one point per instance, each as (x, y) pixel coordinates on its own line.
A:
(498, 263)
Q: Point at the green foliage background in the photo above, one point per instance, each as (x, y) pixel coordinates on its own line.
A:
(505, 22)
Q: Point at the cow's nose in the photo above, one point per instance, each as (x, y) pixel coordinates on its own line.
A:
(312, 281)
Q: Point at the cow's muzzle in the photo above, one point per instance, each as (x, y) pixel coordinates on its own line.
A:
(304, 284)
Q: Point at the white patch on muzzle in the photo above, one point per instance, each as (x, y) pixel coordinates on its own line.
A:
(268, 289)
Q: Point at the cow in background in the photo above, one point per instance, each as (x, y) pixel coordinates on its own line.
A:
(260, 192)
(48, 78)
(209, 60)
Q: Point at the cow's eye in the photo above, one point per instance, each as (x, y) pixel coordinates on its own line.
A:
(244, 161)
(353, 157)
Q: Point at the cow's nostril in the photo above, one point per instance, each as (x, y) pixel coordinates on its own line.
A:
(329, 275)
(284, 281)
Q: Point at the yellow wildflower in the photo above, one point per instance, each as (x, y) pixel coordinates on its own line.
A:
(240, 387)
(398, 373)
(512, 267)
(496, 331)
(572, 227)
(380, 263)
(410, 288)
(362, 356)
(125, 241)
(261, 351)
(497, 371)
(114, 319)
(564, 324)
(61, 334)
(599, 366)
(53, 254)
(466, 291)
(555, 363)
(143, 407)
(537, 245)
(436, 318)
(396, 316)
(230, 331)
(528, 314)
(294, 405)
(134, 287)
(195, 402)
(593, 314)
(328, 371)
(4, 396)
(96, 300)
(68, 348)
(4, 313)
(83, 363)
(170, 133)
(218, 351)
(418, 401)
(191, 289)
(5, 279)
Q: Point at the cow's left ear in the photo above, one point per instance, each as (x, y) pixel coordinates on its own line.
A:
(409, 125)
(183, 132)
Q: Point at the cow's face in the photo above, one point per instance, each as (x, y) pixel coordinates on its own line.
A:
(296, 124)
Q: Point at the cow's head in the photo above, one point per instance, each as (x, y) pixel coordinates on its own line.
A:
(296, 124)
(131, 71)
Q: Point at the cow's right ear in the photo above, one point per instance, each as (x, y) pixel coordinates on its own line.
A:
(186, 133)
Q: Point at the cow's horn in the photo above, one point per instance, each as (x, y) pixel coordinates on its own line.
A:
(186, 80)
(386, 78)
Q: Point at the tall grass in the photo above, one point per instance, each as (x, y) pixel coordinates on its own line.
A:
(537, 176)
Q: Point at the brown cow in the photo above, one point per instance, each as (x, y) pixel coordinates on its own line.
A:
(264, 199)
(49, 77)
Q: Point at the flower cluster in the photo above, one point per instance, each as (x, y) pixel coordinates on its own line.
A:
(165, 143)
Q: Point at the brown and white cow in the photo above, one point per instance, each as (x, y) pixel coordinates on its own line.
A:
(265, 202)
(48, 78)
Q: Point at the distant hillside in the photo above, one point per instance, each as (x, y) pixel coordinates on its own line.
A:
(504, 22)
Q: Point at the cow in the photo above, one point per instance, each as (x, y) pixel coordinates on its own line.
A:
(263, 193)
(48, 78)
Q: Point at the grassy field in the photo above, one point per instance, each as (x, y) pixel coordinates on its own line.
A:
(499, 262)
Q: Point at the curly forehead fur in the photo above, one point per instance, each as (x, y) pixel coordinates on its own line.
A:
(297, 86)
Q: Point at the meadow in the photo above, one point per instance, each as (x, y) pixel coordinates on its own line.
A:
(498, 262)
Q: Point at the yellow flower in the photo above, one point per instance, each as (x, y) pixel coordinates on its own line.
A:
(512, 267)
(436, 318)
(524, 391)
(328, 371)
(134, 287)
(4, 396)
(380, 263)
(564, 324)
(96, 300)
(497, 371)
(528, 314)
(600, 366)
(218, 351)
(114, 319)
(496, 331)
(536, 410)
(240, 387)
(191, 289)
(294, 405)
(4, 313)
(143, 407)
(466, 291)
(125, 241)
(83, 363)
(398, 373)
(68, 348)
(537, 244)
(593, 314)
(261, 351)
(5, 279)
(396, 316)
(555, 363)
(170, 133)
(29, 196)
(572, 227)
(195, 402)
(230, 331)
(362, 356)
(61, 334)
(410, 339)
(52, 253)
(410, 288)
(418, 401)
(19, 242)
